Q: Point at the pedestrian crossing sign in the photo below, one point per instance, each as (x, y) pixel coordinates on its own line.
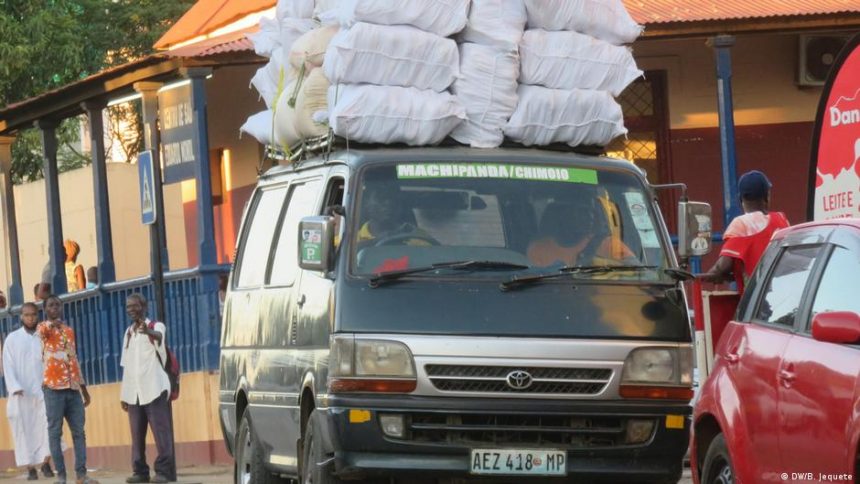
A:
(147, 188)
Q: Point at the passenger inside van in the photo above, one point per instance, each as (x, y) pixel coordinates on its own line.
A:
(389, 220)
(577, 233)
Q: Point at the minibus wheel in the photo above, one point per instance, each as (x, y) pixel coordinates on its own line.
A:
(315, 468)
(249, 455)
(718, 467)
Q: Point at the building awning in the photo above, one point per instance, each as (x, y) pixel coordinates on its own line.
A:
(229, 49)
(207, 16)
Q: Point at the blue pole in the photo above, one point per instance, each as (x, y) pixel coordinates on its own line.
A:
(104, 242)
(16, 291)
(731, 207)
(207, 298)
(56, 249)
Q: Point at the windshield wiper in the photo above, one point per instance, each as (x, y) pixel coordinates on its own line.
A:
(515, 281)
(466, 265)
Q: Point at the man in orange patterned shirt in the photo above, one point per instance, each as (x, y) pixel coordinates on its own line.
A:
(63, 387)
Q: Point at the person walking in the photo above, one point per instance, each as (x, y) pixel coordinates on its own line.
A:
(65, 390)
(145, 393)
(25, 407)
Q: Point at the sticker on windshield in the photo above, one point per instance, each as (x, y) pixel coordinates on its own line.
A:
(410, 171)
(642, 220)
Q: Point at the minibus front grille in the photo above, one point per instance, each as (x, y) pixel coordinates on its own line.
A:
(498, 379)
(567, 432)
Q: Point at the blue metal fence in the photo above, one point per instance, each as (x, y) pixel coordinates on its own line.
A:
(99, 320)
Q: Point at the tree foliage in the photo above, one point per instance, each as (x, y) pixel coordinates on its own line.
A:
(50, 43)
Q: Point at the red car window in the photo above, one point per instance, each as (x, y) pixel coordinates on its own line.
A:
(784, 291)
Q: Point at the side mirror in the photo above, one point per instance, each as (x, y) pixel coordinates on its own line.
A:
(694, 229)
(840, 327)
(316, 243)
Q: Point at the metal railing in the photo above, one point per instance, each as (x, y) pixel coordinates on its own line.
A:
(99, 320)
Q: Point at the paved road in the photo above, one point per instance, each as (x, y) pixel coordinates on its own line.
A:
(203, 475)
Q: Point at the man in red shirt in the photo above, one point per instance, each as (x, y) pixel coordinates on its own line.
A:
(747, 235)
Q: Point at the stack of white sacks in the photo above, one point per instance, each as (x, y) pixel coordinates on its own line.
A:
(291, 83)
(573, 64)
(390, 71)
(391, 66)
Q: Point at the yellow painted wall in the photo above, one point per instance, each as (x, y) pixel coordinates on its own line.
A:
(765, 70)
(130, 237)
(195, 414)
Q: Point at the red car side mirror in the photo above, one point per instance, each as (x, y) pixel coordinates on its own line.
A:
(838, 327)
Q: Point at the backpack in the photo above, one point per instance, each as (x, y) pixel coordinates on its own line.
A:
(171, 366)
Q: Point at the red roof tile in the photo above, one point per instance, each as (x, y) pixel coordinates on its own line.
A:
(665, 11)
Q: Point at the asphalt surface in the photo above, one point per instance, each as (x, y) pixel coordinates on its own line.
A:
(193, 475)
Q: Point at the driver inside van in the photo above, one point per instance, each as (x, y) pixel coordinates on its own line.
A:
(574, 234)
(388, 220)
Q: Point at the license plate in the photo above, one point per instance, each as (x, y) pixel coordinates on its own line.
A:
(514, 462)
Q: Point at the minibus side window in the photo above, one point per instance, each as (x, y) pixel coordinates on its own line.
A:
(258, 238)
(303, 199)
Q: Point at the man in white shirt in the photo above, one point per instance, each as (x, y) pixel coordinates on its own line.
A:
(145, 392)
(25, 407)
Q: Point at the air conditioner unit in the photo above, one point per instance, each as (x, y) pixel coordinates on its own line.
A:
(818, 53)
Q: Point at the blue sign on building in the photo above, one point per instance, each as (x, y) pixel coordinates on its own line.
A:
(177, 128)
(147, 188)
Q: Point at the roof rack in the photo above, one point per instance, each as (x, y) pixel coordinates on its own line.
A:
(326, 144)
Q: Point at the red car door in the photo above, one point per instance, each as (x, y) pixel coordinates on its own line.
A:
(817, 392)
(753, 352)
(759, 350)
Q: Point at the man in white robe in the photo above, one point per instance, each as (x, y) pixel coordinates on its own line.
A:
(25, 406)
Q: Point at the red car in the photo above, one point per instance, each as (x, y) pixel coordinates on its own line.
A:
(783, 401)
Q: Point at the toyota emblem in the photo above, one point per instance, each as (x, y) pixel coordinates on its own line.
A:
(519, 379)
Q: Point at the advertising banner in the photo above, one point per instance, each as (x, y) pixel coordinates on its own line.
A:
(835, 169)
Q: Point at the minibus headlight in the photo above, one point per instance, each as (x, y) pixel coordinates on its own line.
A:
(651, 365)
(363, 365)
(383, 358)
(658, 373)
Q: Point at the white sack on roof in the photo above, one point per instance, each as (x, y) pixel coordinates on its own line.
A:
(286, 132)
(323, 6)
(291, 30)
(310, 48)
(576, 117)
(487, 89)
(605, 19)
(312, 98)
(260, 127)
(385, 114)
(269, 79)
(392, 56)
(441, 17)
(294, 9)
(568, 60)
(267, 38)
(496, 22)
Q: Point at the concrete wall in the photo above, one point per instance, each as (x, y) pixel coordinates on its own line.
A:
(774, 116)
(765, 70)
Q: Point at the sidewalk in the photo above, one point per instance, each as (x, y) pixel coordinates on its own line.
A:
(188, 475)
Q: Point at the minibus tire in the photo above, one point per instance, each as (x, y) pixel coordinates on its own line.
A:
(313, 453)
(250, 469)
(718, 468)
